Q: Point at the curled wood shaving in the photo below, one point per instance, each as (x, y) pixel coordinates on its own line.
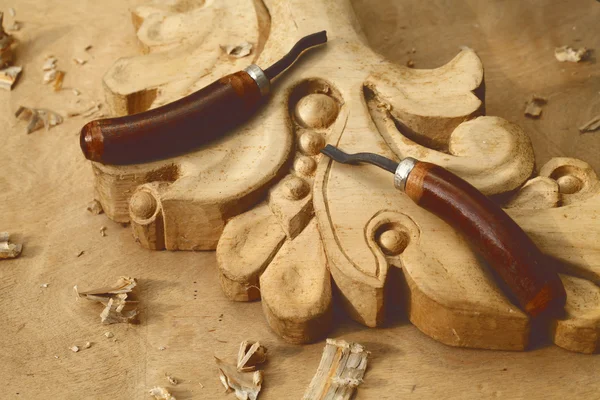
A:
(8, 76)
(160, 393)
(115, 299)
(7, 249)
(95, 207)
(38, 118)
(340, 371)
(239, 51)
(591, 126)
(567, 53)
(246, 385)
(250, 355)
(533, 108)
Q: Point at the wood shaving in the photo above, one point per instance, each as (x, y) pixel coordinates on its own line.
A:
(533, 108)
(250, 355)
(95, 207)
(108, 334)
(6, 45)
(79, 61)
(591, 126)
(44, 285)
(75, 349)
(7, 249)
(340, 371)
(246, 385)
(172, 380)
(88, 47)
(16, 26)
(160, 393)
(49, 76)
(117, 301)
(38, 118)
(12, 12)
(49, 63)
(103, 231)
(58, 81)
(239, 51)
(567, 53)
(76, 92)
(87, 345)
(161, 348)
(8, 76)
(80, 253)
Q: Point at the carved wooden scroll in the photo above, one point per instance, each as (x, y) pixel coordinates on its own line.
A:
(285, 221)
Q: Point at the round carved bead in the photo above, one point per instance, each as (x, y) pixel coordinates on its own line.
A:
(142, 205)
(569, 184)
(295, 188)
(311, 143)
(305, 165)
(316, 111)
(392, 242)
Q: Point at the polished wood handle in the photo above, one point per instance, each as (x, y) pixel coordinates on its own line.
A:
(173, 128)
(500, 241)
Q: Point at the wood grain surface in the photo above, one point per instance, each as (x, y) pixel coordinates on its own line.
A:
(46, 183)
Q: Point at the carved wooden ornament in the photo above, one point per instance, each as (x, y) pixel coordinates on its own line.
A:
(287, 223)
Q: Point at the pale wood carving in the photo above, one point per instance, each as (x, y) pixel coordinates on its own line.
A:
(315, 219)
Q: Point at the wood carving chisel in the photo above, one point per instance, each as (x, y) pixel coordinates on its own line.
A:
(189, 122)
(500, 241)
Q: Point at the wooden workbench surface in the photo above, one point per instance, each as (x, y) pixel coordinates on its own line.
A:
(45, 185)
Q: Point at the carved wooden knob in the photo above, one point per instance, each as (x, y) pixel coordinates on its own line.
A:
(392, 241)
(311, 143)
(142, 205)
(316, 111)
(569, 184)
(295, 188)
(305, 165)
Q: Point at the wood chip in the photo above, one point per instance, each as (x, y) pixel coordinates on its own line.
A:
(49, 76)
(567, 53)
(250, 355)
(533, 108)
(108, 334)
(119, 306)
(76, 92)
(49, 63)
(340, 371)
(38, 118)
(88, 47)
(80, 253)
(103, 231)
(6, 45)
(95, 207)
(79, 61)
(44, 285)
(16, 26)
(591, 126)
(160, 393)
(238, 51)
(12, 12)
(58, 80)
(246, 385)
(172, 380)
(8, 76)
(75, 349)
(87, 345)
(7, 249)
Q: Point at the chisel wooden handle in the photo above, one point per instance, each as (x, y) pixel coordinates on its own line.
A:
(501, 242)
(173, 128)
(192, 121)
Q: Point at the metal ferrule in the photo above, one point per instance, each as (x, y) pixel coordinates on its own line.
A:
(260, 78)
(403, 171)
